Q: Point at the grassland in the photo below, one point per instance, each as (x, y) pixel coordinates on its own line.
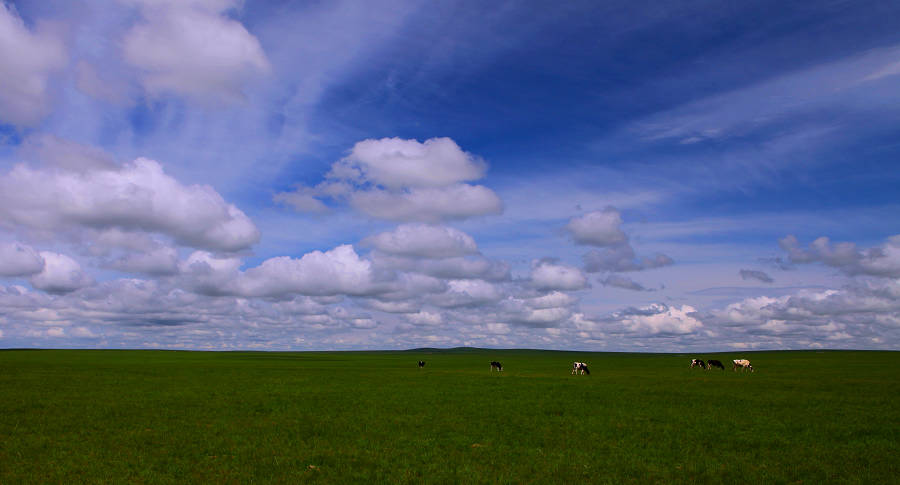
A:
(374, 417)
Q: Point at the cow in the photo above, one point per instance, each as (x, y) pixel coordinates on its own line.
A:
(698, 362)
(714, 363)
(496, 365)
(421, 364)
(580, 367)
(744, 364)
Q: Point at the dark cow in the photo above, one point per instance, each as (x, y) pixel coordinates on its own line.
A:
(421, 364)
(580, 367)
(496, 365)
(714, 363)
(697, 362)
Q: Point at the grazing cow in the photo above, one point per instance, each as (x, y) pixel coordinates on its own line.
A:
(496, 365)
(421, 364)
(744, 364)
(714, 363)
(697, 362)
(580, 367)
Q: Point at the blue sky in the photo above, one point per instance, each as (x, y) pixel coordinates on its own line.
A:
(611, 176)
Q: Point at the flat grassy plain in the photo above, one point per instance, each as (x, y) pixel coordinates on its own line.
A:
(77, 416)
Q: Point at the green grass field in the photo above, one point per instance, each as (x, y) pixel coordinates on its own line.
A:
(374, 417)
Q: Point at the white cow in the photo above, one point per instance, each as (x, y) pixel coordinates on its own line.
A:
(580, 367)
(744, 364)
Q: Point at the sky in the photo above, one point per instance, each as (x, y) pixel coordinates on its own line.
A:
(680, 176)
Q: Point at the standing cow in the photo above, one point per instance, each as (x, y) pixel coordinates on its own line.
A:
(714, 363)
(698, 363)
(744, 364)
(580, 367)
(496, 365)
(421, 364)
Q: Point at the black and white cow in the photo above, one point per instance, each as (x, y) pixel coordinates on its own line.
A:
(698, 362)
(496, 365)
(714, 363)
(744, 364)
(580, 367)
(421, 364)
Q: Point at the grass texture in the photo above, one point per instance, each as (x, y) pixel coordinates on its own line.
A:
(74, 416)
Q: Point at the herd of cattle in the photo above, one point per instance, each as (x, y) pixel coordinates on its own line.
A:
(742, 364)
(582, 368)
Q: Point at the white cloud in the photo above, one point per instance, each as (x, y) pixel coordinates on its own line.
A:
(548, 275)
(395, 163)
(659, 318)
(598, 228)
(61, 274)
(425, 318)
(423, 241)
(19, 260)
(137, 196)
(542, 317)
(604, 229)
(82, 332)
(338, 271)
(403, 180)
(363, 323)
(27, 59)
(882, 260)
(552, 300)
(193, 49)
(467, 293)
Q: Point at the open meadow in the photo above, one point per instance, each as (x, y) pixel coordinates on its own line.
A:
(74, 416)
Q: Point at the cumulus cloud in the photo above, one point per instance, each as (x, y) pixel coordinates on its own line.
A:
(19, 260)
(659, 318)
(553, 299)
(396, 163)
(137, 196)
(749, 274)
(859, 314)
(403, 180)
(192, 48)
(27, 59)
(423, 241)
(603, 229)
(550, 275)
(425, 318)
(60, 274)
(462, 293)
(598, 228)
(339, 271)
(881, 261)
